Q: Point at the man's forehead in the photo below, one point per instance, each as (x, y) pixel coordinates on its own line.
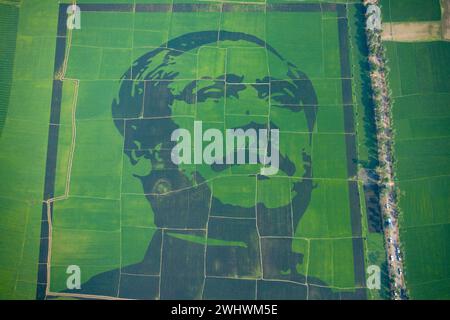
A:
(249, 62)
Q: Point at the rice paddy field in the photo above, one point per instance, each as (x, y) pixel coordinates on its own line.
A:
(85, 164)
(419, 80)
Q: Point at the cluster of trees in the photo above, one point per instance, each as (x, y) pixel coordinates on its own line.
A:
(382, 100)
(385, 133)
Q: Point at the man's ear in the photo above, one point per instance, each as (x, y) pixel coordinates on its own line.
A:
(137, 162)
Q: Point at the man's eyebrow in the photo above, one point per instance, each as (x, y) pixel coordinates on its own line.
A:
(214, 90)
(233, 78)
(232, 82)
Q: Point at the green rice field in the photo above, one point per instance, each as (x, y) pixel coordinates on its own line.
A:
(85, 152)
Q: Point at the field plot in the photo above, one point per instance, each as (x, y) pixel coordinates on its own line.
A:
(410, 10)
(139, 226)
(8, 26)
(419, 80)
(23, 141)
